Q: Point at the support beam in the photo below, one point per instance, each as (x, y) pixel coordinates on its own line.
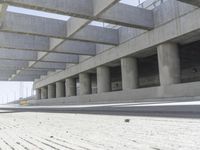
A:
(13, 64)
(47, 65)
(51, 91)
(23, 41)
(44, 93)
(12, 54)
(65, 7)
(85, 83)
(60, 89)
(129, 16)
(61, 58)
(105, 35)
(89, 9)
(33, 25)
(38, 94)
(103, 79)
(169, 64)
(129, 73)
(70, 85)
(76, 47)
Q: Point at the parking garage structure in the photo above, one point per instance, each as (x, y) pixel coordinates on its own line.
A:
(143, 52)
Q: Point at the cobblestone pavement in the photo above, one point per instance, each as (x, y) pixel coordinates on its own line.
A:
(60, 131)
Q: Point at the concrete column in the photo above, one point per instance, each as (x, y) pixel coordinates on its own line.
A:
(129, 73)
(103, 79)
(51, 91)
(44, 94)
(60, 89)
(169, 63)
(85, 83)
(70, 86)
(38, 94)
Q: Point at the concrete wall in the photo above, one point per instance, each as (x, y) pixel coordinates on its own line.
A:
(174, 22)
(136, 95)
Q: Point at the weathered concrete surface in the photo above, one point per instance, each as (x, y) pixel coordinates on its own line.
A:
(103, 79)
(60, 89)
(85, 83)
(135, 95)
(51, 91)
(169, 64)
(70, 86)
(44, 93)
(63, 131)
(175, 29)
(129, 73)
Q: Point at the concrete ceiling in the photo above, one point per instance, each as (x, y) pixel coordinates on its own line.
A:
(32, 46)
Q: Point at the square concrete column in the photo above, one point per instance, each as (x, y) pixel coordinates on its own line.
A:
(70, 86)
(103, 79)
(51, 91)
(129, 73)
(85, 83)
(169, 63)
(60, 89)
(38, 94)
(44, 93)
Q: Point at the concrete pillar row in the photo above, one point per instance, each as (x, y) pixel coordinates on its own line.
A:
(38, 94)
(129, 73)
(169, 63)
(60, 89)
(51, 91)
(70, 86)
(85, 83)
(44, 93)
(103, 79)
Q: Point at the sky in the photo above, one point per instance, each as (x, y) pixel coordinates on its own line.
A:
(10, 91)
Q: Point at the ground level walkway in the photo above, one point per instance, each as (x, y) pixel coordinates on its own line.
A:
(74, 131)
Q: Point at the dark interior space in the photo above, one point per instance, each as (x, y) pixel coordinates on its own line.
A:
(148, 71)
(190, 62)
(116, 78)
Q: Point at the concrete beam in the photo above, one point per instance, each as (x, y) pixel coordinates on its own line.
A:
(105, 35)
(12, 54)
(61, 58)
(26, 42)
(30, 72)
(23, 41)
(52, 28)
(33, 25)
(192, 2)
(75, 24)
(129, 16)
(48, 65)
(77, 47)
(66, 7)
(175, 29)
(13, 64)
(95, 10)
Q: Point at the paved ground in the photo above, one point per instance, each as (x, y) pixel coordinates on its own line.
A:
(46, 131)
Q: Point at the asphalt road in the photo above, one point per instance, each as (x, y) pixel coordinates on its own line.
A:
(163, 109)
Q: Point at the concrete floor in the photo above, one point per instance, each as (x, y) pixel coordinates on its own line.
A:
(46, 131)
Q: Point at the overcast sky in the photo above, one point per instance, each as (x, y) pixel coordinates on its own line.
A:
(10, 91)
